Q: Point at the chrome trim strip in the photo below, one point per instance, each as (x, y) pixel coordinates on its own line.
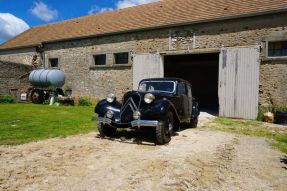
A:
(102, 120)
(135, 123)
(144, 123)
(131, 103)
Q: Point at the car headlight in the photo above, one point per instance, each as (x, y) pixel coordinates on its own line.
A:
(136, 115)
(148, 98)
(111, 98)
(110, 114)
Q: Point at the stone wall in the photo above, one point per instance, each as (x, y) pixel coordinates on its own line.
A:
(82, 76)
(273, 82)
(14, 78)
(76, 57)
(23, 56)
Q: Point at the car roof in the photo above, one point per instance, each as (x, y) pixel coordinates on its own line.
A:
(166, 79)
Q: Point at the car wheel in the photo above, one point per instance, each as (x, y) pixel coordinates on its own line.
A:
(195, 113)
(164, 130)
(106, 130)
(193, 122)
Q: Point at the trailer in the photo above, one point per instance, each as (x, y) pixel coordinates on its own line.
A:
(47, 84)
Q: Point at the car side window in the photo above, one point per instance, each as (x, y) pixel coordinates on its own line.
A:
(189, 94)
(182, 89)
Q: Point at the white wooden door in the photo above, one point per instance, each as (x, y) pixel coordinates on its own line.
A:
(147, 66)
(239, 82)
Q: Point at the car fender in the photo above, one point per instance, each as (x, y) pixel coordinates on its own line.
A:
(103, 106)
(159, 109)
(195, 109)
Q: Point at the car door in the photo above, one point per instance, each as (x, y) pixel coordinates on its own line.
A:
(183, 106)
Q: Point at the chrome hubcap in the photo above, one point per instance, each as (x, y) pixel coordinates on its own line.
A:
(169, 128)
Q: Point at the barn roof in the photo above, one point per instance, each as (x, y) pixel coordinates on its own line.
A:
(153, 15)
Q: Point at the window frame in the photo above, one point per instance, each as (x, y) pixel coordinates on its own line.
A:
(94, 60)
(189, 91)
(50, 64)
(117, 53)
(110, 60)
(161, 81)
(267, 49)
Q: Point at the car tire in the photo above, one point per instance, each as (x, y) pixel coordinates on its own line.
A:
(193, 122)
(195, 113)
(107, 130)
(164, 130)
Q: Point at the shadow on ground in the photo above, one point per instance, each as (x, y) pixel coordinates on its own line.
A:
(144, 136)
(138, 136)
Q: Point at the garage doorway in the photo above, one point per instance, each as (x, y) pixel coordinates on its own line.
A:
(201, 70)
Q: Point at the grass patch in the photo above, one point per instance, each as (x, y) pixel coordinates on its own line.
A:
(236, 122)
(23, 123)
(253, 128)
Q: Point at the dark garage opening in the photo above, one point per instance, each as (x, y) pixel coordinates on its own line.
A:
(201, 70)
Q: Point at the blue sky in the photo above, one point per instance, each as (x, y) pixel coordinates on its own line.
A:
(17, 16)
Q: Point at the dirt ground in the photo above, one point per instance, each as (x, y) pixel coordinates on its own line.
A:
(195, 159)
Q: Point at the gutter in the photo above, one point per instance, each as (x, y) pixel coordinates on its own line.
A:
(157, 27)
(20, 47)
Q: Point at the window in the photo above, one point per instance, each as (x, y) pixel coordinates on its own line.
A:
(100, 59)
(189, 93)
(182, 89)
(54, 62)
(122, 58)
(277, 49)
(157, 86)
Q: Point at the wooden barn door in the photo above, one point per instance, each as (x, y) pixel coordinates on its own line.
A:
(239, 82)
(146, 66)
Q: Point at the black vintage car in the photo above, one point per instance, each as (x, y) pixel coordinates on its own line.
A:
(162, 103)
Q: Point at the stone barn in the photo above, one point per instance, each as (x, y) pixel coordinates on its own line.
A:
(233, 52)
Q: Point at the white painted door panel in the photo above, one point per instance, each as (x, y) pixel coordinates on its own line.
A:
(147, 66)
(239, 82)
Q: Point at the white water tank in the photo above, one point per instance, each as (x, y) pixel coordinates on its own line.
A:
(47, 77)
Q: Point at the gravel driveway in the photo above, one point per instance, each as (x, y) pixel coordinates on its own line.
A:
(196, 159)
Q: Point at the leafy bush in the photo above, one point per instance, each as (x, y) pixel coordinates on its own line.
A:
(84, 102)
(260, 115)
(7, 99)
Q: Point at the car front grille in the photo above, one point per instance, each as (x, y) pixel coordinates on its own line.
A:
(129, 107)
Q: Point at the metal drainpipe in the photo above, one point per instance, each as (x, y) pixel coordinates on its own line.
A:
(193, 41)
(169, 40)
(43, 59)
(40, 50)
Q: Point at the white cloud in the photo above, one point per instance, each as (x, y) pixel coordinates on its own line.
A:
(44, 12)
(96, 9)
(129, 3)
(119, 5)
(11, 26)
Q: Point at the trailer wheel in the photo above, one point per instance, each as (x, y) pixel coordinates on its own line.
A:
(59, 91)
(37, 96)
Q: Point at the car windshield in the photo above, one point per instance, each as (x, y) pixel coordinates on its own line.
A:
(157, 86)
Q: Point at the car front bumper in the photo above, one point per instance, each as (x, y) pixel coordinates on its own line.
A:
(135, 123)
